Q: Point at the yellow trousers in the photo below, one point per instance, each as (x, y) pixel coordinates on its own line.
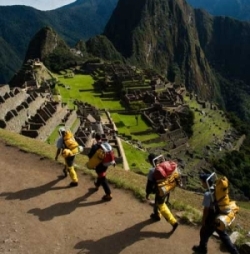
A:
(69, 162)
(165, 212)
(72, 174)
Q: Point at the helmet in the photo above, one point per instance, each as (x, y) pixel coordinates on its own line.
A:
(66, 153)
(80, 148)
(61, 130)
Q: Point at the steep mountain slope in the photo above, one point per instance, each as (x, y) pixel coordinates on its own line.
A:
(210, 55)
(79, 20)
(101, 47)
(162, 34)
(226, 44)
(9, 62)
(51, 49)
(239, 9)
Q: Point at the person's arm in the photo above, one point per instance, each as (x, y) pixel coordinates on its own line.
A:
(58, 151)
(205, 214)
(206, 204)
(59, 145)
(91, 152)
(149, 188)
(93, 149)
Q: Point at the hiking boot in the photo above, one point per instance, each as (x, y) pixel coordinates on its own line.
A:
(73, 184)
(155, 217)
(199, 249)
(175, 226)
(107, 197)
(65, 172)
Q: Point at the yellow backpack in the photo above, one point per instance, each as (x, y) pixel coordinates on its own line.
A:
(169, 184)
(71, 145)
(69, 140)
(226, 208)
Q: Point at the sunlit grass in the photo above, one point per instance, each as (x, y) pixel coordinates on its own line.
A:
(136, 158)
(208, 125)
(81, 88)
(127, 124)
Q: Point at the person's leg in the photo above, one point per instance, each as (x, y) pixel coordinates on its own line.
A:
(105, 185)
(65, 169)
(72, 173)
(227, 241)
(102, 181)
(205, 232)
(156, 215)
(165, 212)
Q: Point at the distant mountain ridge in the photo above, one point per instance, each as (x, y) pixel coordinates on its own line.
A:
(208, 54)
(18, 24)
(238, 9)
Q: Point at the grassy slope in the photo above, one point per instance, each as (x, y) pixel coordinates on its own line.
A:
(87, 93)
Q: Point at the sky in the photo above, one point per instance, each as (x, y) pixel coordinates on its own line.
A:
(43, 5)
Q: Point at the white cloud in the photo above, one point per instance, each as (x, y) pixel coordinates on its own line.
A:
(38, 4)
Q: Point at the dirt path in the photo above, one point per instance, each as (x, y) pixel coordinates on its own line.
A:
(39, 215)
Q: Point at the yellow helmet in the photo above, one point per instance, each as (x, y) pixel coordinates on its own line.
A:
(66, 153)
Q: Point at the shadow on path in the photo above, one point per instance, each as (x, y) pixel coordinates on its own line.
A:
(32, 192)
(65, 208)
(115, 243)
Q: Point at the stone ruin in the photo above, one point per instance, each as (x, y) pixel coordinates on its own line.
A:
(31, 114)
(161, 104)
(36, 115)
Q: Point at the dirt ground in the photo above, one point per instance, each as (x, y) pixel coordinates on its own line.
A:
(40, 214)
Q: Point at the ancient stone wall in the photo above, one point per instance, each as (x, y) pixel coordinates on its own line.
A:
(11, 102)
(4, 89)
(24, 110)
(52, 123)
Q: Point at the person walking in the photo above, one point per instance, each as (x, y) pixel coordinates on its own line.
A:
(151, 189)
(100, 170)
(67, 147)
(160, 206)
(208, 222)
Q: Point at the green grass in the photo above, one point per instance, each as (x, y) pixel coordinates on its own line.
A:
(136, 158)
(127, 124)
(54, 136)
(206, 127)
(85, 83)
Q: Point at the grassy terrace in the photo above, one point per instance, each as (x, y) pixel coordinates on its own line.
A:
(207, 127)
(81, 87)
